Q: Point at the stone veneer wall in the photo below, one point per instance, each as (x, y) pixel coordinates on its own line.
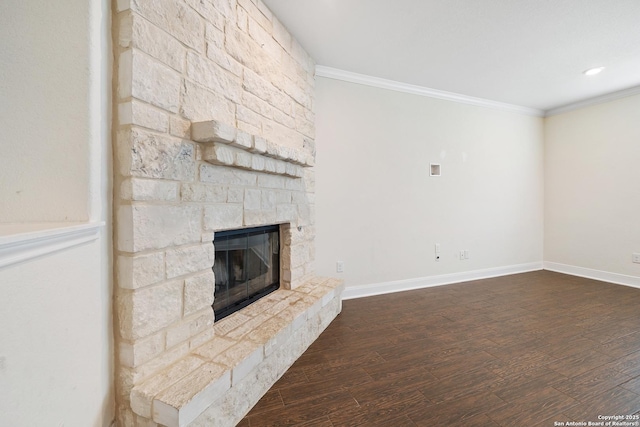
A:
(179, 62)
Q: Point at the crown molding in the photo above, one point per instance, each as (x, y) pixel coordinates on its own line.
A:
(594, 101)
(347, 76)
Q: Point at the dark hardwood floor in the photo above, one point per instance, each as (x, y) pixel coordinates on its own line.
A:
(533, 349)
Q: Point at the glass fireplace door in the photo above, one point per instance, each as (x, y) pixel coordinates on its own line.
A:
(247, 267)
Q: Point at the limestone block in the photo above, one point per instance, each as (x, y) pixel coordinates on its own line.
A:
(270, 165)
(214, 34)
(284, 119)
(259, 145)
(227, 176)
(138, 352)
(258, 105)
(185, 400)
(247, 51)
(246, 115)
(252, 199)
(198, 292)
(198, 104)
(242, 357)
(255, 218)
(229, 410)
(142, 395)
(243, 140)
(144, 227)
(270, 181)
(294, 171)
(215, 347)
(305, 127)
(300, 95)
(219, 55)
(251, 324)
(262, 15)
(213, 131)
(294, 184)
(266, 91)
(143, 372)
(141, 270)
(235, 195)
(242, 20)
(283, 153)
(283, 197)
(149, 155)
(144, 311)
(275, 333)
(147, 189)
(248, 363)
(138, 113)
(191, 259)
(301, 197)
(242, 159)
(281, 167)
(176, 18)
(189, 327)
(202, 338)
(222, 217)
(268, 200)
(257, 162)
(286, 213)
(208, 11)
(272, 149)
(203, 193)
(155, 42)
(155, 82)
(179, 127)
(213, 77)
(219, 154)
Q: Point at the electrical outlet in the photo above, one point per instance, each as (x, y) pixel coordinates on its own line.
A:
(635, 257)
(462, 255)
(340, 267)
(466, 254)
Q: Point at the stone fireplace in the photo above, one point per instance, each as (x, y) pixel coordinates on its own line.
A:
(214, 131)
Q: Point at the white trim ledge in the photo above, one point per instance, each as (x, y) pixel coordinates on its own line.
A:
(604, 276)
(23, 242)
(348, 76)
(362, 291)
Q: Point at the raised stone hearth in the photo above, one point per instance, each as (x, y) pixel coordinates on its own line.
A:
(214, 131)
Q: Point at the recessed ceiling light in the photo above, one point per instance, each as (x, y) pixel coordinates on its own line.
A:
(593, 71)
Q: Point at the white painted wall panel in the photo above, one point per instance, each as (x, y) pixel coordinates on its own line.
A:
(380, 212)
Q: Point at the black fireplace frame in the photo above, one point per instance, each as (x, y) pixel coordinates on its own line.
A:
(223, 236)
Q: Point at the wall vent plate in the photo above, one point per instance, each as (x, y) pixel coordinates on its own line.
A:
(434, 169)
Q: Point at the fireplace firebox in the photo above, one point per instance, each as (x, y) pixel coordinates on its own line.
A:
(246, 267)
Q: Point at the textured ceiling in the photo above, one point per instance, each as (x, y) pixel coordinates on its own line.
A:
(529, 53)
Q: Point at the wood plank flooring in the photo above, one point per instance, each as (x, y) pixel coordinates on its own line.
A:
(533, 349)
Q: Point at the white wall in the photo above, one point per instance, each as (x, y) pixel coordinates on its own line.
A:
(56, 351)
(592, 187)
(380, 212)
(45, 110)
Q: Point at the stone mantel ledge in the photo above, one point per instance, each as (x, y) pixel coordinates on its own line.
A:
(180, 393)
(225, 145)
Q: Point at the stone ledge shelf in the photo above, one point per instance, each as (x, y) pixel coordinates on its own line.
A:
(225, 145)
(250, 350)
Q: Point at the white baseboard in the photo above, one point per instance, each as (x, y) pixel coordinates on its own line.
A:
(605, 276)
(427, 282)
